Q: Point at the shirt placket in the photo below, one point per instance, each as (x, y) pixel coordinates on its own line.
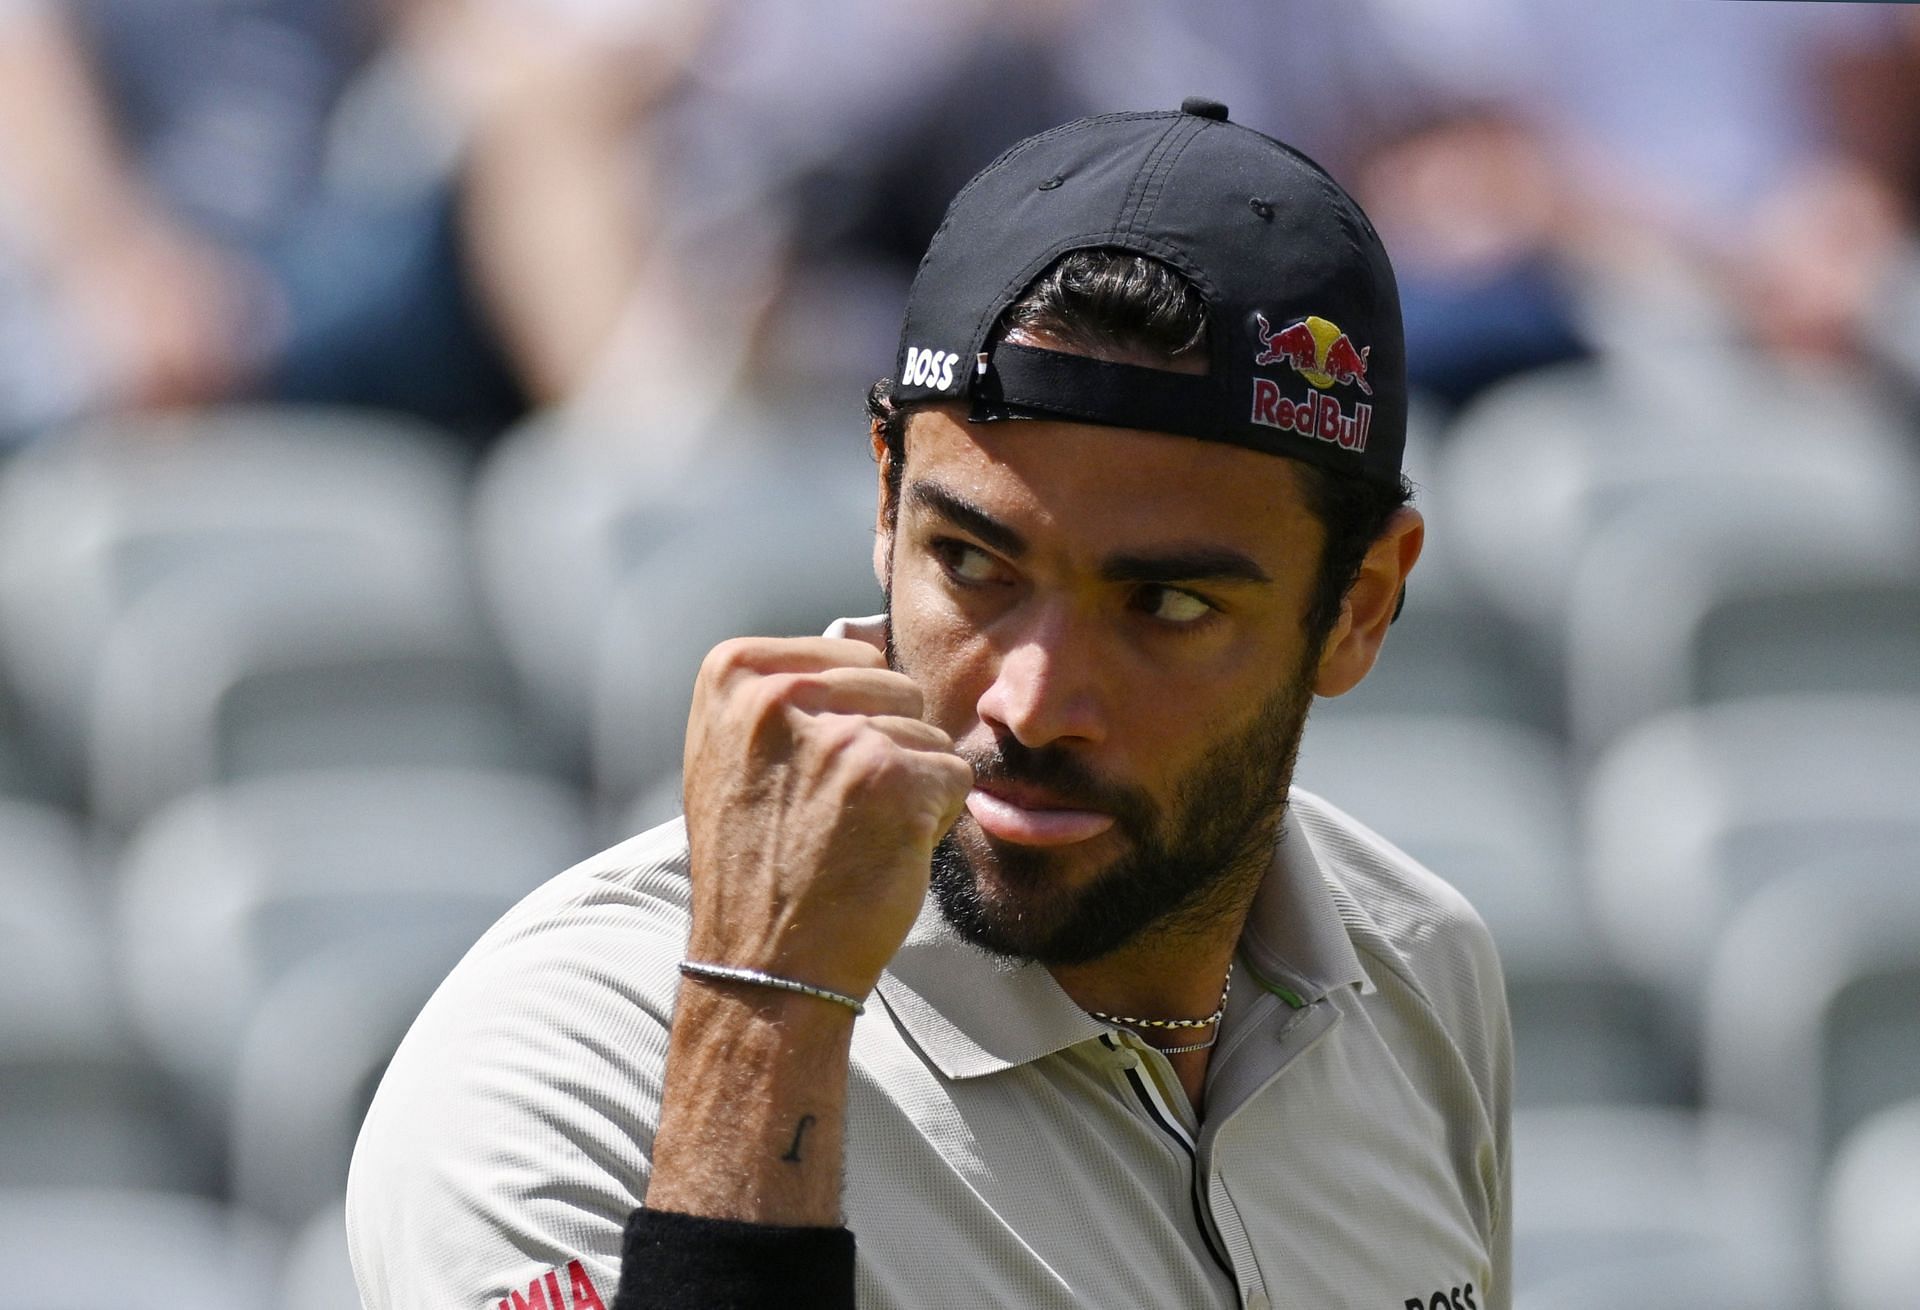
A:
(1306, 1026)
(1148, 1084)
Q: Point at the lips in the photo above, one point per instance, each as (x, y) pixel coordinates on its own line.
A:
(1029, 817)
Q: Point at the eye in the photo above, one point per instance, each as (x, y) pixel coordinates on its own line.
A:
(1171, 605)
(963, 562)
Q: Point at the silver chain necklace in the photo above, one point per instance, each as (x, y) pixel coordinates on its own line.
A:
(1126, 1021)
(1195, 1046)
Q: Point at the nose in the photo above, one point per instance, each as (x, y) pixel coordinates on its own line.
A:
(1045, 689)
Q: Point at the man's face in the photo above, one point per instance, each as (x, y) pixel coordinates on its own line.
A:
(1108, 623)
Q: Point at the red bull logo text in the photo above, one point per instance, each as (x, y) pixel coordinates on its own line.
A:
(1319, 415)
(1326, 357)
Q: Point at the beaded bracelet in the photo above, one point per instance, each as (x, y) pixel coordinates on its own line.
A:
(731, 973)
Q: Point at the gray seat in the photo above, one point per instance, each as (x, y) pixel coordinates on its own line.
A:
(91, 518)
(564, 512)
(1537, 465)
(224, 891)
(1741, 594)
(226, 673)
(81, 1106)
(1813, 1002)
(1871, 1212)
(1690, 813)
(1451, 651)
(782, 562)
(313, 1051)
(80, 1248)
(1632, 1200)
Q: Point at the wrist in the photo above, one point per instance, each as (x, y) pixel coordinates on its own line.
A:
(753, 1106)
(784, 1023)
(727, 973)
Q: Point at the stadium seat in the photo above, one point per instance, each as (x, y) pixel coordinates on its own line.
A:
(1451, 651)
(1871, 1219)
(1813, 1001)
(1536, 465)
(93, 517)
(225, 890)
(1650, 1205)
(79, 1105)
(83, 1248)
(1740, 594)
(783, 565)
(318, 1273)
(563, 513)
(1691, 812)
(312, 1053)
(228, 673)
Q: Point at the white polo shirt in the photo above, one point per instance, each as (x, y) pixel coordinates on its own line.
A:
(1003, 1148)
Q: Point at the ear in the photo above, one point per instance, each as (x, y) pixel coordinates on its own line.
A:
(1371, 605)
(884, 513)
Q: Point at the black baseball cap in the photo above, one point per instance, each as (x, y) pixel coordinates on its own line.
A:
(1307, 358)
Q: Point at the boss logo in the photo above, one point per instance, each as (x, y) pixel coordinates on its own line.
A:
(929, 368)
(1456, 1298)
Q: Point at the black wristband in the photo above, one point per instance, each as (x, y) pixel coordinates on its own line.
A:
(688, 1262)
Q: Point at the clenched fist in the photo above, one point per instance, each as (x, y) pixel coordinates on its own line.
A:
(815, 794)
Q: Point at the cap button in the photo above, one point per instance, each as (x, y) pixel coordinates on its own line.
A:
(1201, 107)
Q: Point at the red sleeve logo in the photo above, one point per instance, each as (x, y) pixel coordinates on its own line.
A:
(543, 1293)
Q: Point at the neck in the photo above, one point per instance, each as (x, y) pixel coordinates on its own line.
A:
(1158, 976)
(1162, 980)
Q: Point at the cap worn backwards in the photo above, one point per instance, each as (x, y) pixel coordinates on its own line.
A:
(1306, 351)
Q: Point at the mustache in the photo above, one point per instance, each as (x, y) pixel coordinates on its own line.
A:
(1059, 773)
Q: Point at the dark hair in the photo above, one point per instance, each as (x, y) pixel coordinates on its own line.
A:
(1102, 300)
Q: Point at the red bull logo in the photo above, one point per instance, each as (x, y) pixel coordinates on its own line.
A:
(1325, 356)
(1317, 350)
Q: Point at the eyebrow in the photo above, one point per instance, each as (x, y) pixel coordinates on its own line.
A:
(965, 514)
(1174, 564)
(1178, 564)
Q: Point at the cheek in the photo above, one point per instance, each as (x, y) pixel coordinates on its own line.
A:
(944, 654)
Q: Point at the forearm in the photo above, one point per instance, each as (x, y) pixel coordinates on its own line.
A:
(754, 1107)
(56, 144)
(555, 237)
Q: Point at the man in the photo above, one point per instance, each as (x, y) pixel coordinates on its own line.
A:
(1162, 1034)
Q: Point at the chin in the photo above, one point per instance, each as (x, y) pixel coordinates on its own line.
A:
(1028, 903)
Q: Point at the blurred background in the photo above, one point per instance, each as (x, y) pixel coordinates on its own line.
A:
(397, 397)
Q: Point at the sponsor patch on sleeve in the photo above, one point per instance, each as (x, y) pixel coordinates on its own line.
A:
(568, 1288)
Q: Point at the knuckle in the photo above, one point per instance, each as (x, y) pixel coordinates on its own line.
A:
(762, 705)
(727, 660)
(870, 755)
(837, 736)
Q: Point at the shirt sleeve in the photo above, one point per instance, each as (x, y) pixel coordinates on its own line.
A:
(511, 1135)
(685, 1262)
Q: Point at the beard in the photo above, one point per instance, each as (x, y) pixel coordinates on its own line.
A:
(1187, 867)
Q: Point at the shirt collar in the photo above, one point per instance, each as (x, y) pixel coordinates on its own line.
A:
(1296, 935)
(973, 1013)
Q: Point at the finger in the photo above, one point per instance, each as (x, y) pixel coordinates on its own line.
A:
(914, 734)
(760, 656)
(851, 691)
(947, 776)
(955, 775)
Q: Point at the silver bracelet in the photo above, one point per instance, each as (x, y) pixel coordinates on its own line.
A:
(729, 973)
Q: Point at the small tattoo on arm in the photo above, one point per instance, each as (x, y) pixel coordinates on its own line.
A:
(799, 1130)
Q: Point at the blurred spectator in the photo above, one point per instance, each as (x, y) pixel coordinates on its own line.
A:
(171, 233)
(677, 204)
(1626, 177)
